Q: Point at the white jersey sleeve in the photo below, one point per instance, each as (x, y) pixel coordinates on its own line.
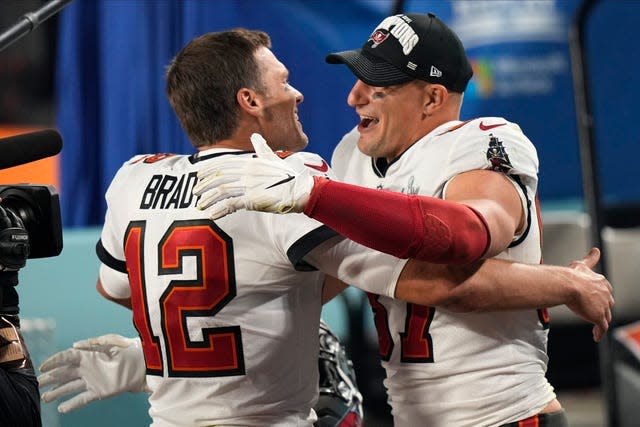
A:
(115, 281)
(496, 144)
(359, 266)
(502, 148)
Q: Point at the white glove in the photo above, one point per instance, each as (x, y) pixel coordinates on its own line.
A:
(96, 368)
(264, 183)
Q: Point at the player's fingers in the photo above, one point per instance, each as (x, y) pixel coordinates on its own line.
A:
(228, 168)
(597, 334)
(58, 375)
(211, 197)
(262, 148)
(592, 257)
(600, 329)
(217, 202)
(223, 166)
(71, 387)
(93, 346)
(68, 357)
(223, 208)
(102, 343)
(212, 181)
(76, 402)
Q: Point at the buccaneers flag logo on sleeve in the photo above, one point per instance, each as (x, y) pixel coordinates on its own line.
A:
(497, 156)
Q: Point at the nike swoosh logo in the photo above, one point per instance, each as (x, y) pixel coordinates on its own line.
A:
(487, 127)
(287, 179)
(322, 167)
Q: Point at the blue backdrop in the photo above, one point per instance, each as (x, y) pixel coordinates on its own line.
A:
(613, 61)
(112, 55)
(110, 85)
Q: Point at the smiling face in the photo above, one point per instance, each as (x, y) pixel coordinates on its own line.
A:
(279, 123)
(392, 118)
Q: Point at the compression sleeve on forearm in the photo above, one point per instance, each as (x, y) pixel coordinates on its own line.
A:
(420, 227)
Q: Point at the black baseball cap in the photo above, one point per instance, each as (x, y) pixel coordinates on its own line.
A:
(406, 47)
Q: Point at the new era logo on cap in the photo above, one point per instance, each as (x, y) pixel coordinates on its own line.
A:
(435, 72)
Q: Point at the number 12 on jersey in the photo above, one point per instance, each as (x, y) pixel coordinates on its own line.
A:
(220, 351)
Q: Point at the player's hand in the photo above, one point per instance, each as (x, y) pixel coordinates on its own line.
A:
(264, 183)
(594, 294)
(95, 368)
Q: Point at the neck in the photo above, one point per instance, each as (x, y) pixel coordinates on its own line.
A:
(238, 141)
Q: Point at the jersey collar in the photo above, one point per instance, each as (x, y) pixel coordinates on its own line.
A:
(214, 152)
(380, 165)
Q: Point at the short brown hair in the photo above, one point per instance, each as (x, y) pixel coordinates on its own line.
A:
(204, 77)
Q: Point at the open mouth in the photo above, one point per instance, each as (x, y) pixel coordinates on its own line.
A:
(366, 122)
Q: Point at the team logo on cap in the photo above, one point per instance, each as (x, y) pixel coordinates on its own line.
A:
(497, 156)
(378, 37)
(399, 27)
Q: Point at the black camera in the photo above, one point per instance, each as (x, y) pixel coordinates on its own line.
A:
(38, 206)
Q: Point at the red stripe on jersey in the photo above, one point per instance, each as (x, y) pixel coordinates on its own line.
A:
(530, 422)
(283, 154)
(456, 127)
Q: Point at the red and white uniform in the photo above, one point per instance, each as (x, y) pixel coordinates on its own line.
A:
(228, 312)
(449, 369)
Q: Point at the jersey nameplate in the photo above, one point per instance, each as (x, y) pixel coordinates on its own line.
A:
(169, 192)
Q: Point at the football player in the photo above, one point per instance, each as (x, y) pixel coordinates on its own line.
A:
(443, 368)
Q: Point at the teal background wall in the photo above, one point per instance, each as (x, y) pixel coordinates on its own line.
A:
(62, 291)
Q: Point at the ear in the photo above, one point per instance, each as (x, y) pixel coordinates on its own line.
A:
(249, 101)
(435, 98)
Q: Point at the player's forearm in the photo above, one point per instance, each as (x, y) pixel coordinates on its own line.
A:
(419, 227)
(433, 285)
(502, 285)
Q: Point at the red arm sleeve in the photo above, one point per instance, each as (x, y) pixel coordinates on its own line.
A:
(420, 227)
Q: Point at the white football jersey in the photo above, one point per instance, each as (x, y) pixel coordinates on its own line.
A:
(229, 327)
(448, 369)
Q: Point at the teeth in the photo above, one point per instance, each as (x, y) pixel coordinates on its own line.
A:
(366, 121)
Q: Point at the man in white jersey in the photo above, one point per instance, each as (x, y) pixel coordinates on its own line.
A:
(443, 368)
(227, 312)
(228, 325)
